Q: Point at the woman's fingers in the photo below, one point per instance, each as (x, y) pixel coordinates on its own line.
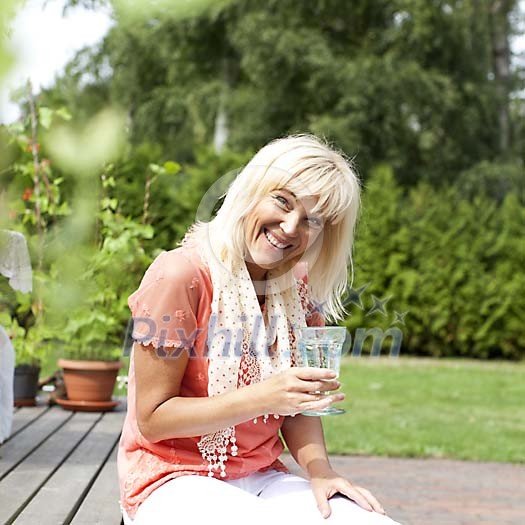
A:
(371, 500)
(354, 494)
(362, 497)
(315, 379)
(299, 389)
(322, 504)
(320, 401)
(310, 373)
(318, 386)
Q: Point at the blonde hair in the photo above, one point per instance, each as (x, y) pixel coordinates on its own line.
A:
(306, 166)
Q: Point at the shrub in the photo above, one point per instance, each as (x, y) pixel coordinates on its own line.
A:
(454, 264)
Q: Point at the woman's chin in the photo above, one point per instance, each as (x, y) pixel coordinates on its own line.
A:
(278, 266)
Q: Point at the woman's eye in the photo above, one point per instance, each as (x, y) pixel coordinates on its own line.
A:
(314, 221)
(281, 200)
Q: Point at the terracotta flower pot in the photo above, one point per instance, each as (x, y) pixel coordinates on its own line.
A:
(91, 381)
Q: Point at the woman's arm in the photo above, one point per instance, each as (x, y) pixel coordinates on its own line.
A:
(163, 414)
(304, 437)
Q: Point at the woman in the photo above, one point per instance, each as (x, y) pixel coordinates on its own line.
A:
(212, 379)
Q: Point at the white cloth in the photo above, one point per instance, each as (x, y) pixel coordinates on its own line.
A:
(259, 499)
(241, 349)
(15, 263)
(7, 370)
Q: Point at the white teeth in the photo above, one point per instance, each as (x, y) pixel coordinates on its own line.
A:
(274, 241)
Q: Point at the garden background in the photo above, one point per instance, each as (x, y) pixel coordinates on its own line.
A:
(107, 168)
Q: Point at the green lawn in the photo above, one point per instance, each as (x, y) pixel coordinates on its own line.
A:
(409, 407)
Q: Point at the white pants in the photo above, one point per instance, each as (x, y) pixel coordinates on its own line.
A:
(269, 498)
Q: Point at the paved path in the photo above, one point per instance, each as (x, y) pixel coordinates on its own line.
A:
(439, 492)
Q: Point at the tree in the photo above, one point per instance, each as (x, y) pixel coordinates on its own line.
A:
(423, 85)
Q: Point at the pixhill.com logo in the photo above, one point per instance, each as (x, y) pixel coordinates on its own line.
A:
(378, 338)
(375, 336)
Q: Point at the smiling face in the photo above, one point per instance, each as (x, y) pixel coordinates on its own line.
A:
(280, 228)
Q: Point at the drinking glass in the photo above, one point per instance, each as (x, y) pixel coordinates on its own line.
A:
(321, 347)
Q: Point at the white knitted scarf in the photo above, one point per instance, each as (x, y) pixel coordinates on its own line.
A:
(241, 349)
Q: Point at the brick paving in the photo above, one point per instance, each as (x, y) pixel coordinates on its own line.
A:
(439, 491)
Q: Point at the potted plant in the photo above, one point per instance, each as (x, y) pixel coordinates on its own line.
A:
(91, 338)
(93, 331)
(91, 359)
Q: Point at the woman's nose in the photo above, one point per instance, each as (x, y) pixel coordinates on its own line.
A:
(290, 224)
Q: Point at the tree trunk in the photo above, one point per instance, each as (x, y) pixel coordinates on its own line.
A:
(220, 135)
(221, 131)
(500, 29)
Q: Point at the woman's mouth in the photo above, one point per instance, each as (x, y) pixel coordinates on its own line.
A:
(274, 242)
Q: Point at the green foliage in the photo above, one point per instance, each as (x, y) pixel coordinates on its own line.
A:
(175, 191)
(494, 180)
(452, 263)
(31, 342)
(407, 82)
(36, 208)
(139, 9)
(408, 86)
(179, 199)
(7, 13)
(83, 151)
(94, 326)
(85, 264)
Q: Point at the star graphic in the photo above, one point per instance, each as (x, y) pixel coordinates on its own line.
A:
(316, 307)
(400, 317)
(379, 305)
(353, 296)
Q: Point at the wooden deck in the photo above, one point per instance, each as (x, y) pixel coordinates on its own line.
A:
(59, 467)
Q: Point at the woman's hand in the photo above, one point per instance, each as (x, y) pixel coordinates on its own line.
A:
(298, 389)
(329, 483)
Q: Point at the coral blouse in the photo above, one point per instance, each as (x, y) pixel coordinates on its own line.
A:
(171, 309)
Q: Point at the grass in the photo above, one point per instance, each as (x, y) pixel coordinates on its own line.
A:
(410, 407)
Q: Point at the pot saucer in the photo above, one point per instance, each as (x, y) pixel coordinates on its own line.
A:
(87, 406)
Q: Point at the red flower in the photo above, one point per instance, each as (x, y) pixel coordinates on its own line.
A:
(28, 193)
(30, 147)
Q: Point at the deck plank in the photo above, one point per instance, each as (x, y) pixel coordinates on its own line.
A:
(101, 507)
(26, 415)
(24, 481)
(30, 438)
(59, 498)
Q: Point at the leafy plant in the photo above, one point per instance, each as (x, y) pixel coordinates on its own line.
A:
(36, 208)
(452, 262)
(95, 327)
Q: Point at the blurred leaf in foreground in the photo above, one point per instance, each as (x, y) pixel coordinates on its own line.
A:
(179, 10)
(7, 12)
(83, 152)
